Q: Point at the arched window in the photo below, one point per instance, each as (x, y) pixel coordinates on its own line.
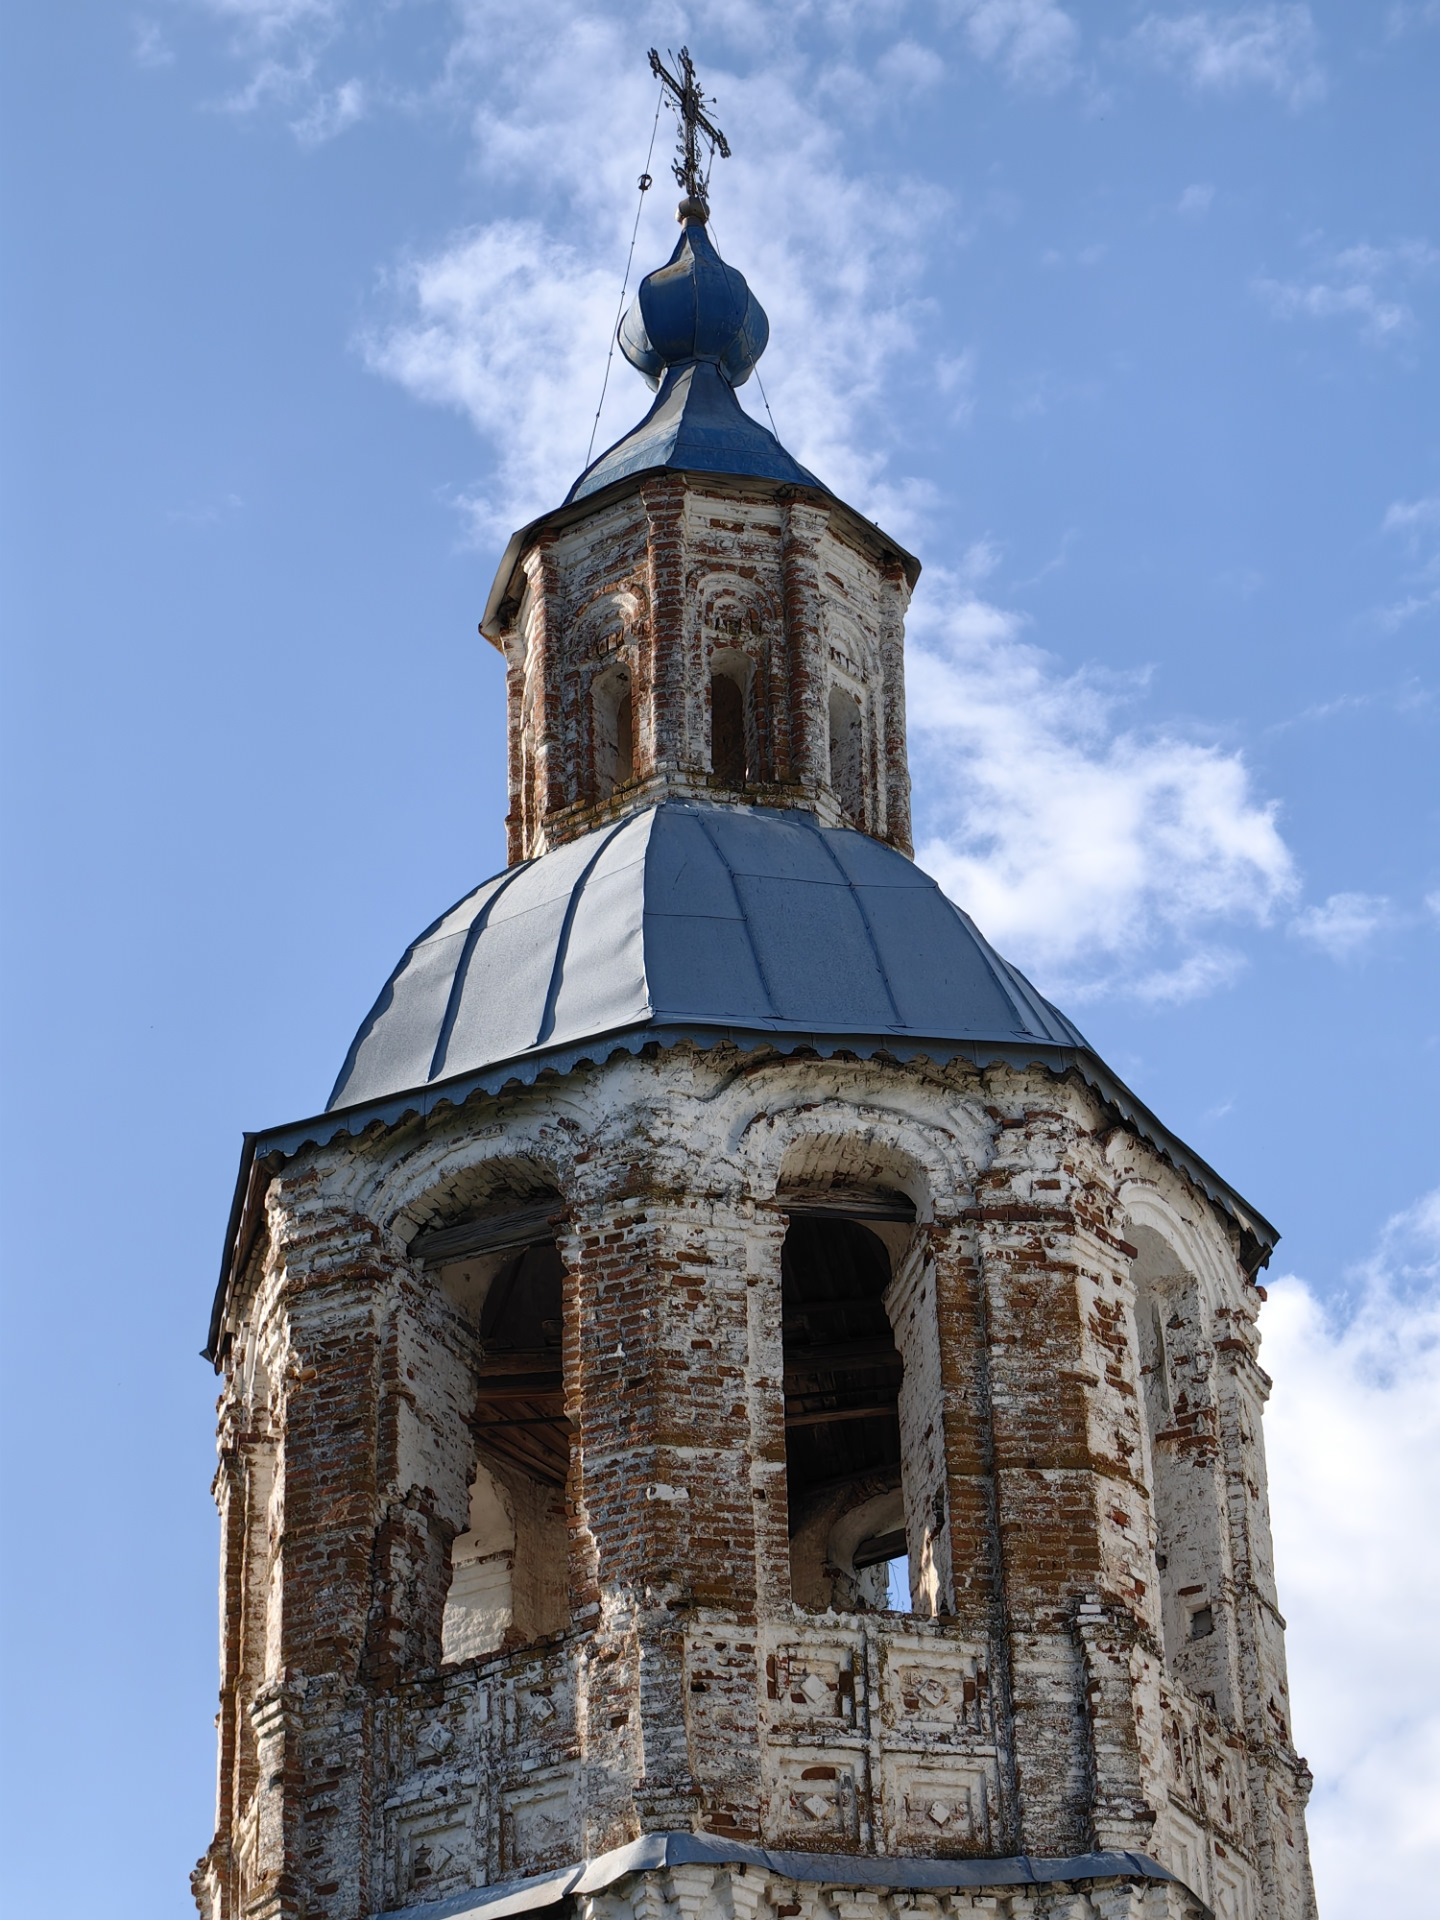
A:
(847, 767)
(731, 744)
(614, 731)
(843, 1375)
(1186, 1475)
(509, 1581)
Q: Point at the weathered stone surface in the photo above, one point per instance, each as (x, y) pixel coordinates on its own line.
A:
(1042, 1696)
(527, 1552)
(630, 618)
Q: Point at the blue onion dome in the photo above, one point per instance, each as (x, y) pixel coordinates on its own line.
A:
(695, 331)
(695, 307)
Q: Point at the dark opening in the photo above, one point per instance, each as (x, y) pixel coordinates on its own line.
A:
(842, 1370)
(727, 730)
(625, 739)
(1202, 1623)
(520, 1415)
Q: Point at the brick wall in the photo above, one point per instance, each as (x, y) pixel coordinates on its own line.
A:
(1035, 1699)
(796, 598)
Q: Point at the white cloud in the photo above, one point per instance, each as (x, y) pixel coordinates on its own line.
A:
(150, 47)
(282, 43)
(1417, 523)
(1034, 42)
(1411, 16)
(911, 66)
(1105, 857)
(1412, 516)
(1353, 1439)
(331, 114)
(1346, 923)
(1357, 283)
(1102, 858)
(512, 327)
(271, 20)
(1272, 47)
(1195, 200)
(507, 325)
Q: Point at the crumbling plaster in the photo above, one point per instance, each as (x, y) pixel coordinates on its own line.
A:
(1048, 1718)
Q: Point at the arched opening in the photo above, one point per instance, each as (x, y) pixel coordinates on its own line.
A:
(1186, 1480)
(847, 770)
(843, 1375)
(732, 746)
(614, 731)
(509, 1582)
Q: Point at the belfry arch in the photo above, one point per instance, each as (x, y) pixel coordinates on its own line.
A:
(498, 1264)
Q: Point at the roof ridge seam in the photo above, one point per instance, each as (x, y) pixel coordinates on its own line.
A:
(386, 995)
(760, 972)
(462, 969)
(572, 905)
(820, 833)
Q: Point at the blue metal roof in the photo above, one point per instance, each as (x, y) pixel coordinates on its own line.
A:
(695, 307)
(694, 916)
(699, 923)
(695, 330)
(697, 425)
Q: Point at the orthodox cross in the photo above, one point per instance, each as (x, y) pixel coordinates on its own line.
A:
(689, 103)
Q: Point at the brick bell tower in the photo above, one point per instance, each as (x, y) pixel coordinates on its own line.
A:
(734, 1412)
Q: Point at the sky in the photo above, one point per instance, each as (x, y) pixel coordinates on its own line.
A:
(1125, 318)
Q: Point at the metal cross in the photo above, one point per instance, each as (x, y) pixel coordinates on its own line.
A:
(689, 103)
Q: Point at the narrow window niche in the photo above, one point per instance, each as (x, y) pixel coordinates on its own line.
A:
(1187, 1482)
(614, 731)
(843, 1375)
(847, 758)
(732, 725)
(509, 1582)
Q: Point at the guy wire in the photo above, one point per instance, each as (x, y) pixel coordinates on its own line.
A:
(726, 265)
(625, 283)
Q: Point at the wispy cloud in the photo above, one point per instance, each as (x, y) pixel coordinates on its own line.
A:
(1358, 283)
(331, 113)
(511, 327)
(1346, 923)
(1353, 1441)
(1274, 47)
(1411, 16)
(282, 43)
(1417, 524)
(1107, 857)
(1102, 857)
(267, 21)
(149, 47)
(1035, 43)
(1195, 200)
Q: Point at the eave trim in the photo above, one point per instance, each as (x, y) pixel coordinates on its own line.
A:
(654, 1852)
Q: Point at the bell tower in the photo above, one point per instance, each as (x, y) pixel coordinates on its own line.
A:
(700, 617)
(733, 1411)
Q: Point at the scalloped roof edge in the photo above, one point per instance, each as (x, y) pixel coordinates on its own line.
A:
(654, 1852)
(395, 1110)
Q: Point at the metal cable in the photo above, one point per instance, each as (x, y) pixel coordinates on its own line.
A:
(710, 222)
(645, 184)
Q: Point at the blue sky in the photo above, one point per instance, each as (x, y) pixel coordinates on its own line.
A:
(1125, 318)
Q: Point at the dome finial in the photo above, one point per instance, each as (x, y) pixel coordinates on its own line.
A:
(689, 104)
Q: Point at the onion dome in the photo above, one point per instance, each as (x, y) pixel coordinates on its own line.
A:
(694, 308)
(695, 332)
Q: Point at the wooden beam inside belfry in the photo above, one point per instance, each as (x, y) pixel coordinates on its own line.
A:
(826, 1203)
(502, 1233)
(831, 1416)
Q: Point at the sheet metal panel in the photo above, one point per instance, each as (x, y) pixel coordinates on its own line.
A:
(654, 1852)
(732, 917)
